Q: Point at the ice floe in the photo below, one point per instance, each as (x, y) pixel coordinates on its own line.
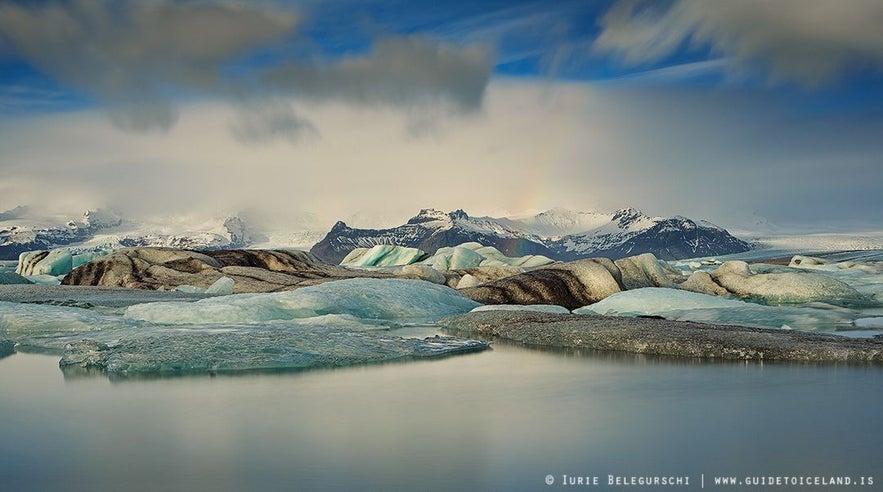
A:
(174, 354)
(396, 300)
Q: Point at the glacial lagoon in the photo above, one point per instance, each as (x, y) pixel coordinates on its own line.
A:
(497, 420)
(509, 418)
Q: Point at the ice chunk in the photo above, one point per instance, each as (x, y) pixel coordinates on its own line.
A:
(396, 300)
(174, 354)
(467, 281)
(44, 279)
(83, 258)
(540, 308)
(869, 323)
(222, 287)
(454, 258)
(11, 278)
(51, 326)
(784, 287)
(382, 255)
(55, 262)
(690, 306)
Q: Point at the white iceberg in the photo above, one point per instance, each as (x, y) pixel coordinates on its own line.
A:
(681, 305)
(776, 285)
(221, 287)
(454, 258)
(395, 300)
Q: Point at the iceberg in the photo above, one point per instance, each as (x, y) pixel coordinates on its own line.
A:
(775, 285)
(202, 353)
(869, 323)
(681, 305)
(382, 255)
(222, 287)
(55, 262)
(12, 278)
(454, 258)
(472, 255)
(394, 300)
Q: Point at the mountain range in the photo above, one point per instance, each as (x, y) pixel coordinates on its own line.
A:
(558, 234)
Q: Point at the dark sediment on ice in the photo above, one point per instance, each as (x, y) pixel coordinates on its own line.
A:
(664, 337)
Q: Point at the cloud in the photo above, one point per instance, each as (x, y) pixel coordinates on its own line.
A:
(718, 154)
(139, 59)
(131, 56)
(271, 122)
(400, 71)
(807, 41)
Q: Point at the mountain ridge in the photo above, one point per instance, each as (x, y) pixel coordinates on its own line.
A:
(624, 232)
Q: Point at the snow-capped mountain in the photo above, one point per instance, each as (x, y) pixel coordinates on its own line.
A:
(559, 234)
(105, 229)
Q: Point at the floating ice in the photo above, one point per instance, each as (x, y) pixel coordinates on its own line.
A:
(540, 308)
(44, 279)
(382, 255)
(172, 354)
(454, 258)
(222, 287)
(472, 255)
(55, 262)
(869, 323)
(784, 286)
(396, 300)
(12, 278)
(83, 258)
(690, 306)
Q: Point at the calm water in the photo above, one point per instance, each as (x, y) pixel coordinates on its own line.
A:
(499, 420)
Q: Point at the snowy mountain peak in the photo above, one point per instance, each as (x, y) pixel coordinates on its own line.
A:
(458, 214)
(339, 226)
(430, 215)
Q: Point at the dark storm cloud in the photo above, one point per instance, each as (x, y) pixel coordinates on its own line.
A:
(131, 55)
(137, 58)
(399, 71)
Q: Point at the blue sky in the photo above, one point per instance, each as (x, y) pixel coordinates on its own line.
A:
(769, 86)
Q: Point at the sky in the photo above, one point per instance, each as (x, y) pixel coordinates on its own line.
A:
(750, 114)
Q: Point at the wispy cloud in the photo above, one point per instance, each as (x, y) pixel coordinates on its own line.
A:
(807, 41)
(677, 73)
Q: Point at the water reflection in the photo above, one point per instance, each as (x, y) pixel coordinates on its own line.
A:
(499, 420)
